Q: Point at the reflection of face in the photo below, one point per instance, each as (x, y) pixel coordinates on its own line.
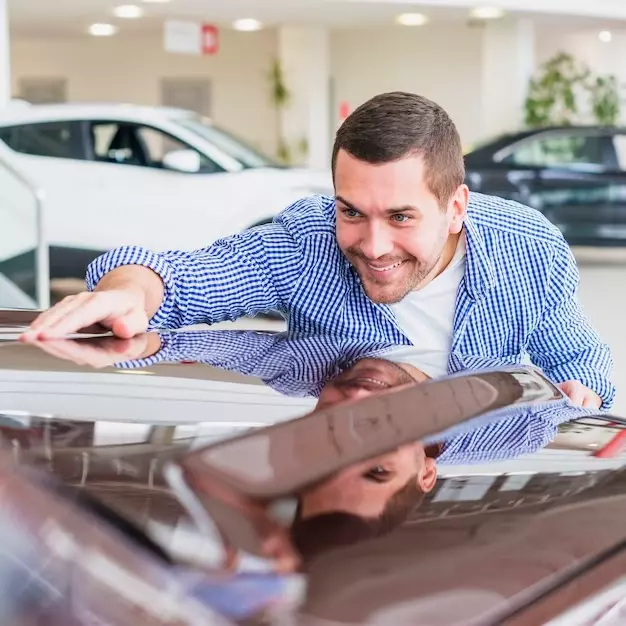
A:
(364, 489)
(368, 377)
(390, 226)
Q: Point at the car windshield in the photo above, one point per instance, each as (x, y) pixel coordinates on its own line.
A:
(226, 142)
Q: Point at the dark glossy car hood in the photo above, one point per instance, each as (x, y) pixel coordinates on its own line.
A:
(486, 543)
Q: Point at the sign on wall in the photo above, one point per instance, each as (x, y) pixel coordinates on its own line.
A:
(185, 37)
(210, 39)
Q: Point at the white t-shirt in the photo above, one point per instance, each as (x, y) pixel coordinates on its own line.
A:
(426, 317)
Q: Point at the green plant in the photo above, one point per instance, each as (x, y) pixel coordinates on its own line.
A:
(279, 93)
(280, 97)
(605, 100)
(553, 95)
(566, 92)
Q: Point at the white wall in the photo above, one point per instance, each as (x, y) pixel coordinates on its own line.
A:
(130, 69)
(441, 63)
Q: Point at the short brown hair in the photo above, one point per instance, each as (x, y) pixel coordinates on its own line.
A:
(315, 535)
(395, 125)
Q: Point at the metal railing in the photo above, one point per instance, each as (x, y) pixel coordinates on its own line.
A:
(42, 263)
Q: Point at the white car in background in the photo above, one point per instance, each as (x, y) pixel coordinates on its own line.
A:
(117, 174)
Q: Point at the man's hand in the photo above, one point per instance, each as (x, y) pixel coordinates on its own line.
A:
(124, 301)
(121, 310)
(580, 395)
(103, 352)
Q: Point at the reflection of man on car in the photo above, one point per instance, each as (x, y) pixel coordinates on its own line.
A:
(371, 498)
(341, 500)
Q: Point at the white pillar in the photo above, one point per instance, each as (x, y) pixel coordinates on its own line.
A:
(5, 56)
(304, 56)
(508, 64)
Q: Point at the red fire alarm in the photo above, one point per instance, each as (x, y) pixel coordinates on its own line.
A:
(344, 110)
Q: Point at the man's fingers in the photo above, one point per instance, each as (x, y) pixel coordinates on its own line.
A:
(79, 352)
(128, 326)
(90, 311)
(50, 317)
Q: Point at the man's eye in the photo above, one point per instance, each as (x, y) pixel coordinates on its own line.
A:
(400, 218)
(351, 213)
(378, 474)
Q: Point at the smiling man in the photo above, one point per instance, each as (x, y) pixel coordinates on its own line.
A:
(401, 254)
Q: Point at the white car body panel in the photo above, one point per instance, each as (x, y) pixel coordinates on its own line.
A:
(99, 206)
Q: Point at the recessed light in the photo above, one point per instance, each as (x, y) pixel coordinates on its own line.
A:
(247, 25)
(487, 13)
(102, 30)
(128, 11)
(605, 35)
(412, 19)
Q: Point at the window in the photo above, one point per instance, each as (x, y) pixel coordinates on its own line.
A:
(232, 146)
(561, 149)
(132, 144)
(619, 143)
(61, 140)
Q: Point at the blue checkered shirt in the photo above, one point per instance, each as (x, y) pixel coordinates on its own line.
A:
(301, 366)
(517, 301)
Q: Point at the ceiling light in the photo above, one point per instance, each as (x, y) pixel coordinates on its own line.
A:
(128, 11)
(247, 24)
(605, 36)
(156, 1)
(487, 13)
(102, 30)
(412, 19)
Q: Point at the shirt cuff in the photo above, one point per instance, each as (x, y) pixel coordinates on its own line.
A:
(133, 255)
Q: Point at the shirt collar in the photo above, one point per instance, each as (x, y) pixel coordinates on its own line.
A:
(480, 274)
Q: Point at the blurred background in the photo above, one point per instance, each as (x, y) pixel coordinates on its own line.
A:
(170, 123)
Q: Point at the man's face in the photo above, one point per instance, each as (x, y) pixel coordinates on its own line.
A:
(390, 226)
(364, 489)
(365, 378)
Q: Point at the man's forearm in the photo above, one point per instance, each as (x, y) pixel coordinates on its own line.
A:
(139, 279)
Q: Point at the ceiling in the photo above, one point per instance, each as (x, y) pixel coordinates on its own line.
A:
(72, 17)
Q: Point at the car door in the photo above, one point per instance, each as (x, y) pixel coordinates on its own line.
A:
(577, 187)
(52, 154)
(145, 200)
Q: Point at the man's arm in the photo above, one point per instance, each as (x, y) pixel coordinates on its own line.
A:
(564, 344)
(131, 288)
(246, 274)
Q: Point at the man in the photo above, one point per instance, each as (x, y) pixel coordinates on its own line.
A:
(400, 254)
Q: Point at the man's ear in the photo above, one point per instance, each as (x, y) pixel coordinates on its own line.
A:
(458, 208)
(427, 477)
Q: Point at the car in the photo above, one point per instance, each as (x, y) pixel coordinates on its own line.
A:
(217, 477)
(118, 174)
(574, 175)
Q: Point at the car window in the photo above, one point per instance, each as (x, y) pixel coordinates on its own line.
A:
(559, 149)
(619, 143)
(62, 140)
(5, 135)
(134, 144)
(226, 142)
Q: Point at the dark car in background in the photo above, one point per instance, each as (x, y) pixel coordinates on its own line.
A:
(576, 176)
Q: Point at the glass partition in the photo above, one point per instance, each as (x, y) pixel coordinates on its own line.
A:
(24, 274)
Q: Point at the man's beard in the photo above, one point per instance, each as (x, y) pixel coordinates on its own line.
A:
(413, 274)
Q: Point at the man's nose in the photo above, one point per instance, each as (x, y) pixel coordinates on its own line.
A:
(377, 243)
